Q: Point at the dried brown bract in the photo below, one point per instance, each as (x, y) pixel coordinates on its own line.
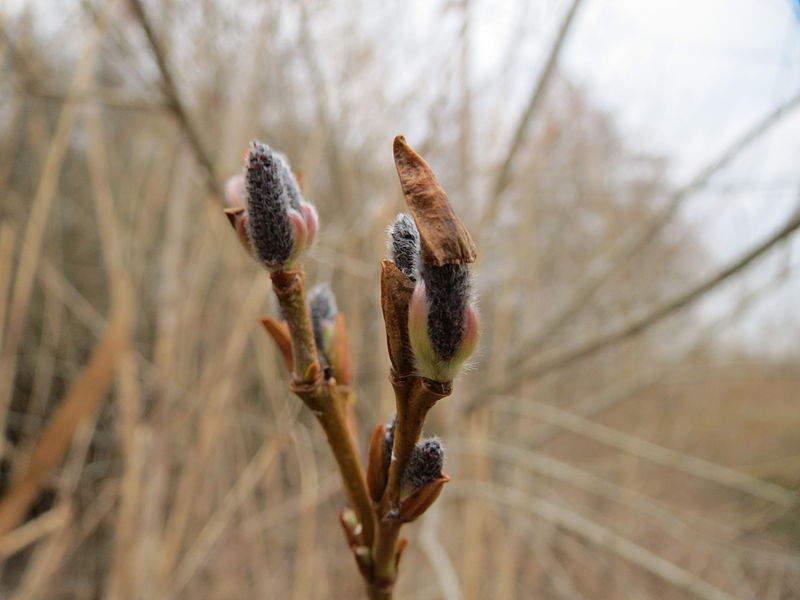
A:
(444, 239)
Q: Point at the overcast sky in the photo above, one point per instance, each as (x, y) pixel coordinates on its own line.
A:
(687, 76)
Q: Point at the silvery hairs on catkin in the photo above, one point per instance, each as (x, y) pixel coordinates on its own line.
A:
(447, 290)
(425, 464)
(403, 245)
(268, 201)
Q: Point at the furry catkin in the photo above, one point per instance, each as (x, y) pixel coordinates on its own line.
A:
(404, 245)
(447, 298)
(268, 202)
(425, 464)
(322, 305)
(290, 184)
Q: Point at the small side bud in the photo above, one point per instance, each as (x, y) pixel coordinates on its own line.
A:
(322, 305)
(423, 479)
(281, 225)
(424, 465)
(403, 245)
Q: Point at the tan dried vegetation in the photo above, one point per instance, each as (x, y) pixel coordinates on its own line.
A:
(605, 445)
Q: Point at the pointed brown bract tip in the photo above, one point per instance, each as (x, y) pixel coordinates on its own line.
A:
(279, 331)
(443, 237)
(421, 500)
(232, 214)
(401, 546)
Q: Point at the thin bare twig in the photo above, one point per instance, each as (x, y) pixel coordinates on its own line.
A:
(605, 267)
(635, 326)
(689, 528)
(504, 174)
(667, 457)
(176, 105)
(594, 532)
(107, 100)
(200, 550)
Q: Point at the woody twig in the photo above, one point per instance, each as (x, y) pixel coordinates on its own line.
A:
(431, 328)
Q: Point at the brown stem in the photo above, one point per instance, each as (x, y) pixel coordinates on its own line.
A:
(326, 401)
(290, 289)
(414, 397)
(376, 594)
(329, 403)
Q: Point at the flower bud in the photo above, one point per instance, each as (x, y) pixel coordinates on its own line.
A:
(404, 245)
(322, 305)
(422, 480)
(280, 224)
(442, 323)
(424, 465)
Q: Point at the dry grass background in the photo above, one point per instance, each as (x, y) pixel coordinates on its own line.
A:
(605, 445)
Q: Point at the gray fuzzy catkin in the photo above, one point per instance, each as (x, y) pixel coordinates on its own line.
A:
(290, 182)
(322, 305)
(447, 290)
(404, 245)
(268, 201)
(425, 464)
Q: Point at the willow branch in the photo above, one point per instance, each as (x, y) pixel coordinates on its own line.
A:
(326, 400)
(414, 397)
